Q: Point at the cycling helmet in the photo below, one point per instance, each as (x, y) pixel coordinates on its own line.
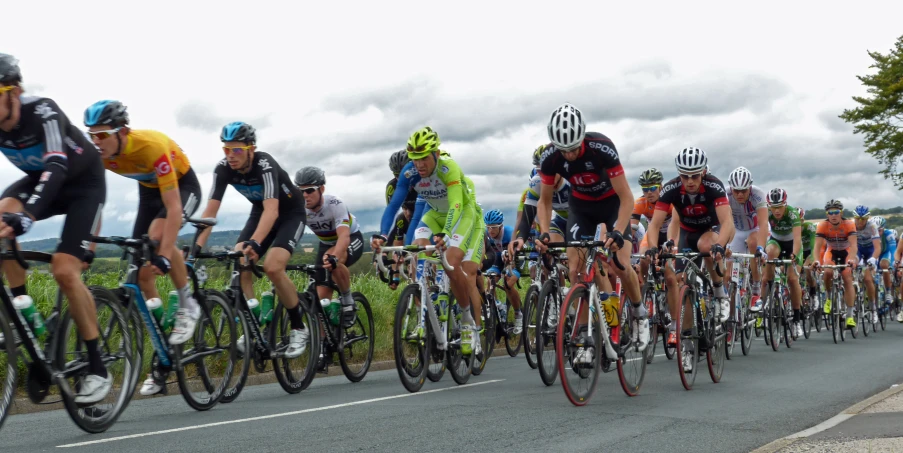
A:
(861, 211)
(310, 176)
(537, 154)
(802, 213)
(777, 197)
(533, 172)
(494, 217)
(651, 177)
(566, 127)
(9, 70)
(423, 142)
(239, 132)
(834, 204)
(741, 179)
(397, 161)
(691, 160)
(106, 113)
(880, 222)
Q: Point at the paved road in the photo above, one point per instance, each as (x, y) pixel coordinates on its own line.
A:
(762, 397)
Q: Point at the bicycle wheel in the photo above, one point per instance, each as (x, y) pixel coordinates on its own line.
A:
(487, 334)
(631, 361)
(546, 331)
(8, 365)
(531, 320)
(857, 315)
(688, 342)
(716, 355)
(806, 315)
(865, 317)
(208, 359)
(242, 359)
(652, 314)
(459, 366)
(882, 317)
(115, 347)
(579, 358)
(774, 322)
(295, 374)
(513, 342)
(136, 332)
(787, 321)
(731, 325)
(358, 340)
(410, 344)
(746, 331)
(838, 312)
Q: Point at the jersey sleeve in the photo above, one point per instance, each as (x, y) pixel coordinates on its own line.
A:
(531, 195)
(56, 162)
(341, 216)
(639, 208)
(164, 168)
(795, 220)
(269, 175)
(405, 182)
(523, 201)
(220, 181)
(451, 175)
(547, 167)
(390, 189)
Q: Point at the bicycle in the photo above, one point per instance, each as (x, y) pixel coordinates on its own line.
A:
(502, 312)
(885, 307)
(60, 357)
(836, 293)
(216, 324)
(809, 313)
(778, 295)
(440, 337)
(655, 298)
(697, 325)
(585, 350)
(547, 310)
(530, 305)
(743, 321)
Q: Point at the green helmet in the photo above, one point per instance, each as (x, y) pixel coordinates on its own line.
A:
(537, 154)
(650, 177)
(422, 143)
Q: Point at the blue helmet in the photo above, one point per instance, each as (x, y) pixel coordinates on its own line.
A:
(239, 132)
(106, 113)
(494, 217)
(861, 211)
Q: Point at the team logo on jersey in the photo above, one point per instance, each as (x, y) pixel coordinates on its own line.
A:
(162, 166)
(444, 169)
(584, 179)
(695, 210)
(114, 165)
(44, 110)
(265, 164)
(604, 148)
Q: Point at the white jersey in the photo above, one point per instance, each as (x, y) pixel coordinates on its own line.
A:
(638, 235)
(745, 217)
(332, 214)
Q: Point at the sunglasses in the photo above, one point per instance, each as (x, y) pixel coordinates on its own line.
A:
(860, 217)
(691, 177)
(236, 149)
(103, 135)
(650, 188)
(739, 190)
(493, 227)
(309, 190)
(833, 212)
(7, 88)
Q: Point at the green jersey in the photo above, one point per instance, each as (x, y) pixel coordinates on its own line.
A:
(782, 229)
(808, 233)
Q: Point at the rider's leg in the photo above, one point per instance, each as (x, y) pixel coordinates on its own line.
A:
(15, 274)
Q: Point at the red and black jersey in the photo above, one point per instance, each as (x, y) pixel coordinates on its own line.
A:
(590, 174)
(696, 211)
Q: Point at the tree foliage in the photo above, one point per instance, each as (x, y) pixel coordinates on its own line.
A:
(879, 117)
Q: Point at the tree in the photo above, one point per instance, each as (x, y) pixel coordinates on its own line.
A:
(879, 117)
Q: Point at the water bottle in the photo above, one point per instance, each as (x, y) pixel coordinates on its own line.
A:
(611, 304)
(155, 306)
(171, 308)
(267, 301)
(25, 305)
(443, 306)
(333, 310)
(503, 312)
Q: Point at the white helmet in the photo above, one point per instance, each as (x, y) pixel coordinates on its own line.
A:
(566, 127)
(740, 179)
(691, 160)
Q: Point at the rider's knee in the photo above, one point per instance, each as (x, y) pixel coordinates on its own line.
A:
(66, 272)
(273, 270)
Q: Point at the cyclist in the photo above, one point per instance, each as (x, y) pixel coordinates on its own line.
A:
(63, 176)
(644, 206)
(168, 191)
(785, 242)
(397, 162)
(341, 241)
(498, 238)
(560, 203)
(808, 229)
(888, 250)
(699, 202)
(869, 252)
(276, 222)
(600, 202)
(750, 225)
(454, 222)
(833, 244)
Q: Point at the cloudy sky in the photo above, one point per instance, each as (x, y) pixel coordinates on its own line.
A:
(342, 85)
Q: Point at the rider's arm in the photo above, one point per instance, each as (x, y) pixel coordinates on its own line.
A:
(622, 188)
(762, 218)
(818, 249)
(876, 243)
(544, 206)
(172, 201)
(656, 224)
(726, 219)
(267, 219)
(854, 246)
(421, 207)
(673, 227)
(56, 162)
(398, 197)
(529, 215)
(342, 222)
(797, 240)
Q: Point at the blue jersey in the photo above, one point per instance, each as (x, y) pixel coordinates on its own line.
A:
(496, 246)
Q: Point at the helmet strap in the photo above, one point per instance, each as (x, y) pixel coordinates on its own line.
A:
(319, 203)
(247, 166)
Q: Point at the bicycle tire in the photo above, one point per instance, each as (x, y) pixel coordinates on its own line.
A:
(716, 355)
(412, 376)
(631, 382)
(460, 367)
(746, 332)
(292, 379)
(487, 334)
(513, 342)
(652, 314)
(7, 390)
(566, 344)
(731, 324)
(218, 312)
(688, 340)
(242, 361)
(549, 298)
(531, 302)
(366, 337)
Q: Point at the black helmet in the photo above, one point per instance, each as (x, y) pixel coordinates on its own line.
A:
(9, 70)
(398, 160)
(106, 113)
(310, 176)
(239, 132)
(651, 177)
(833, 204)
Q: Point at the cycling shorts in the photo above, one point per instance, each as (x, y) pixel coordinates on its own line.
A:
(838, 257)
(353, 254)
(150, 202)
(466, 235)
(584, 219)
(866, 252)
(786, 249)
(285, 234)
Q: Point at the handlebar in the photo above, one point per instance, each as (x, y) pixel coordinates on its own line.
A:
(588, 244)
(410, 249)
(691, 255)
(14, 251)
(232, 255)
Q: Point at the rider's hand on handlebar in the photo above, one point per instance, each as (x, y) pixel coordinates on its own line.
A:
(439, 240)
(515, 246)
(376, 242)
(717, 252)
(542, 241)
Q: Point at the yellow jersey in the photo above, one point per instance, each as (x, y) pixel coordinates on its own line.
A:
(151, 158)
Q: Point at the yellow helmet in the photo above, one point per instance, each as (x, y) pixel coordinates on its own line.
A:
(422, 143)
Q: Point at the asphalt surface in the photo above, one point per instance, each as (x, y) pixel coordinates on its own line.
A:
(762, 397)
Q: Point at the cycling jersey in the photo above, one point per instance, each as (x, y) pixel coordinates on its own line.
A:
(151, 158)
(326, 221)
(265, 180)
(390, 190)
(643, 208)
(837, 236)
(888, 245)
(590, 174)
(866, 235)
(51, 151)
(696, 212)
(497, 246)
(560, 197)
(782, 229)
(745, 216)
(399, 228)
(808, 234)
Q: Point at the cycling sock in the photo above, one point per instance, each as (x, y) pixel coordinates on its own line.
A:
(796, 315)
(639, 311)
(849, 312)
(755, 287)
(18, 291)
(466, 317)
(812, 291)
(187, 301)
(294, 317)
(347, 300)
(718, 289)
(95, 363)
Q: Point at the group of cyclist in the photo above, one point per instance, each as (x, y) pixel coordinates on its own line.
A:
(577, 191)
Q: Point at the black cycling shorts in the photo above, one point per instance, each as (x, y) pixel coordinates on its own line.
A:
(354, 253)
(585, 217)
(286, 231)
(689, 241)
(150, 202)
(82, 204)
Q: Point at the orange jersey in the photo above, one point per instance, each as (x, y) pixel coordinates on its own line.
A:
(837, 236)
(151, 158)
(642, 207)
